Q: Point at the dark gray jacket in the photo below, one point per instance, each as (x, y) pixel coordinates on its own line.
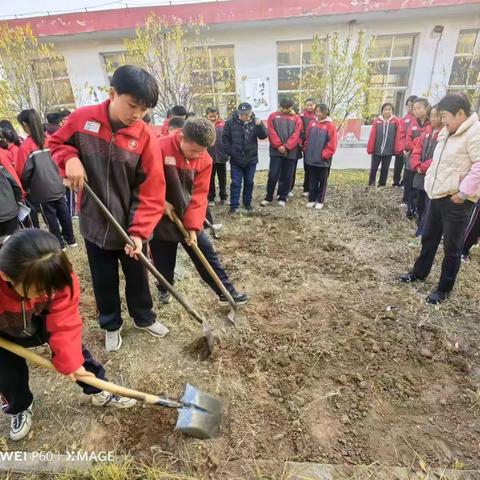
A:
(10, 194)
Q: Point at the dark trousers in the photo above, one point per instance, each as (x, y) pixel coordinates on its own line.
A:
(164, 255)
(472, 232)
(57, 215)
(14, 376)
(449, 219)
(408, 192)
(376, 161)
(306, 179)
(318, 183)
(219, 170)
(8, 227)
(242, 175)
(71, 197)
(420, 204)
(294, 175)
(397, 170)
(34, 209)
(280, 171)
(106, 283)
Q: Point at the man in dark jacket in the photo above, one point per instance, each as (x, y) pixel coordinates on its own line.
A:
(240, 141)
(219, 157)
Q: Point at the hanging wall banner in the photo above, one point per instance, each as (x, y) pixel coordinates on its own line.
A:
(257, 92)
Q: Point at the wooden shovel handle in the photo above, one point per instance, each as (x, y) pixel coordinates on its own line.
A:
(92, 381)
(204, 261)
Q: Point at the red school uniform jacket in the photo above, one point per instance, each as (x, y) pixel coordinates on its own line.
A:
(385, 137)
(320, 143)
(404, 126)
(124, 168)
(58, 318)
(423, 149)
(188, 183)
(38, 172)
(306, 118)
(6, 162)
(284, 129)
(13, 149)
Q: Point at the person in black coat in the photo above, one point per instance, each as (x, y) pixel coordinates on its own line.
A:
(240, 141)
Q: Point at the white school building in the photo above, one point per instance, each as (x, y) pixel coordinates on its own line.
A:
(422, 47)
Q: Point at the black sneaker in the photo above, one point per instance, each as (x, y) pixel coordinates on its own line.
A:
(436, 297)
(164, 297)
(248, 208)
(21, 424)
(233, 211)
(239, 299)
(409, 277)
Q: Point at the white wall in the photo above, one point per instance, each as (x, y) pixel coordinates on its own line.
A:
(256, 47)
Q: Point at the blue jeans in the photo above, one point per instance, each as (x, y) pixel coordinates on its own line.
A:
(280, 171)
(246, 175)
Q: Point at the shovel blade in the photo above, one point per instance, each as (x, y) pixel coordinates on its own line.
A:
(203, 416)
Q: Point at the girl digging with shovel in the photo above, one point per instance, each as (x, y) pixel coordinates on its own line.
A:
(39, 298)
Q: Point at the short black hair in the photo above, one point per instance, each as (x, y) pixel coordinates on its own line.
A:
(65, 113)
(200, 131)
(309, 100)
(454, 102)
(387, 104)
(179, 111)
(286, 103)
(411, 98)
(423, 101)
(176, 122)
(137, 82)
(212, 110)
(323, 108)
(54, 118)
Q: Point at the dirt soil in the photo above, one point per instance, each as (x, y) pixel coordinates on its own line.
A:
(332, 361)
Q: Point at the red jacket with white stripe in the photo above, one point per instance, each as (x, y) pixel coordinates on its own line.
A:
(424, 146)
(124, 168)
(320, 143)
(284, 129)
(58, 317)
(188, 183)
(385, 137)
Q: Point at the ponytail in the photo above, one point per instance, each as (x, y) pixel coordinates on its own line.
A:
(32, 119)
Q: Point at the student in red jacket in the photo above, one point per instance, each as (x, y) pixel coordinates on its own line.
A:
(12, 139)
(178, 111)
(384, 141)
(404, 124)
(188, 168)
(111, 146)
(41, 180)
(306, 116)
(39, 299)
(320, 146)
(219, 157)
(421, 159)
(421, 110)
(284, 129)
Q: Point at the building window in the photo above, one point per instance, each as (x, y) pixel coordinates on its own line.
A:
(113, 60)
(465, 75)
(53, 83)
(390, 63)
(215, 72)
(294, 61)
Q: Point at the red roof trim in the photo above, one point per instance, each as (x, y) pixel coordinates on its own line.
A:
(231, 11)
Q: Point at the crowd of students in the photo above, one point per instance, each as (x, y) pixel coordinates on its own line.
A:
(144, 174)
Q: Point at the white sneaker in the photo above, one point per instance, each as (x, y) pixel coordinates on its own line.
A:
(318, 206)
(310, 204)
(73, 245)
(305, 194)
(156, 329)
(217, 226)
(21, 424)
(281, 203)
(106, 399)
(212, 203)
(290, 194)
(113, 340)
(265, 203)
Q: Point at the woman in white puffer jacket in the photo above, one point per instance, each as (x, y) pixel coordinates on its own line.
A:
(453, 185)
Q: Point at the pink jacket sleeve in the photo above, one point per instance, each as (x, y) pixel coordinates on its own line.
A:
(470, 185)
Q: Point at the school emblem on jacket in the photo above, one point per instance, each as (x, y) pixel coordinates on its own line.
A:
(132, 144)
(170, 161)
